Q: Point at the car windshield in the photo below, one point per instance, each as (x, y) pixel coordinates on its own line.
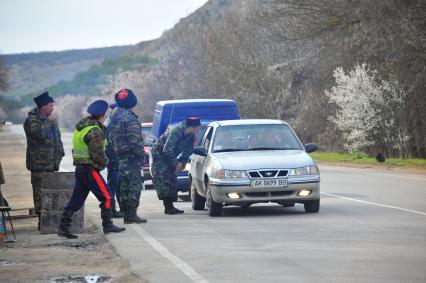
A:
(255, 137)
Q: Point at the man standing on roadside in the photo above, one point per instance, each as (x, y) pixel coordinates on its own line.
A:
(170, 153)
(127, 142)
(44, 146)
(89, 158)
(113, 177)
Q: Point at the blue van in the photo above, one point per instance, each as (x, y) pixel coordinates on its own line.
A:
(169, 113)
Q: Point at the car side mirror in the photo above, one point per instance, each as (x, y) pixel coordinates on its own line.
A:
(199, 150)
(311, 147)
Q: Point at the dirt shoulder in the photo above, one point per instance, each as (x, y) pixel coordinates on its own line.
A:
(36, 257)
(378, 167)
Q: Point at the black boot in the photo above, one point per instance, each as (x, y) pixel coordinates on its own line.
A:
(64, 227)
(132, 217)
(169, 208)
(116, 214)
(108, 226)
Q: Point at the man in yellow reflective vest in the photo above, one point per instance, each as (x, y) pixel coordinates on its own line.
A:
(89, 158)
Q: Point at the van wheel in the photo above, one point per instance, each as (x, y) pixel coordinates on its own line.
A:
(198, 202)
(312, 206)
(213, 208)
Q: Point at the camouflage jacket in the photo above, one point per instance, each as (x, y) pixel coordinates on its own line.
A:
(124, 132)
(95, 140)
(44, 146)
(175, 145)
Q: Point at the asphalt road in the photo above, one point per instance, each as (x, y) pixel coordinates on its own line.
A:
(371, 228)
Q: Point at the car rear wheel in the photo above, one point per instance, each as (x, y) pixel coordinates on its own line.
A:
(312, 206)
(213, 208)
(198, 202)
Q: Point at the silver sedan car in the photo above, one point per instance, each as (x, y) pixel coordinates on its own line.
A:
(242, 162)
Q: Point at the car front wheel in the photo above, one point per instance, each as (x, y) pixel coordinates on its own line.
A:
(213, 208)
(312, 206)
(198, 202)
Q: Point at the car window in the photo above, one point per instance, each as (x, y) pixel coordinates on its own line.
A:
(255, 137)
(206, 138)
(200, 134)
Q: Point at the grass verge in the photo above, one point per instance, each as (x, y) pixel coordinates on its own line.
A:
(362, 158)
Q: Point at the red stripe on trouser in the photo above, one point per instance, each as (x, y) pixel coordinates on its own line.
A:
(104, 190)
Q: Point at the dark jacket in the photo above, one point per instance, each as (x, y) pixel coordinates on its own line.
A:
(44, 146)
(95, 140)
(125, 135)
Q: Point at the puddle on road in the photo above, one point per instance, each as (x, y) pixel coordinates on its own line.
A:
(4, 262)
(83, 279)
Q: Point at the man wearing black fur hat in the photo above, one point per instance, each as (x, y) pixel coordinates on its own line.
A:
(44, 146)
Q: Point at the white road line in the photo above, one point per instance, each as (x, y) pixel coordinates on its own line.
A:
(183, 266)
(376, 204)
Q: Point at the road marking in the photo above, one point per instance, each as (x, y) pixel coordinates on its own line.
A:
(376, 204)
(183, 266)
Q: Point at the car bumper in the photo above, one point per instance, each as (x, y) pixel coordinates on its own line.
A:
(248, 194)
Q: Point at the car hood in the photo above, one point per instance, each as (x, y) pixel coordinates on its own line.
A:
(264, 159)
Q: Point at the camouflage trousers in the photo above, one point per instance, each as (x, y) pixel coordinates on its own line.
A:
(36, 183)
(131, 182)
(164, 179)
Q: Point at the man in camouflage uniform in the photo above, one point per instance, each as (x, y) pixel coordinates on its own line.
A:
(169, 155)
(44, 146)
(127, 143)
(113, 178)
(89, 158)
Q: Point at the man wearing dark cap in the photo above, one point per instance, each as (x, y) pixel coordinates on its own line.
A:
(127, 143)
(89, 158)
(44, 146)
(170, 153)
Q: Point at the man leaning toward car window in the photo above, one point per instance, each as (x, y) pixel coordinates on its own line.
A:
(170, 153)
(44, 146)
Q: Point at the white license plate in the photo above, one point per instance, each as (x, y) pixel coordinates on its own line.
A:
(269, 183)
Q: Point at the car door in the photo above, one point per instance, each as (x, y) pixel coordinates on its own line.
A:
(200, 160)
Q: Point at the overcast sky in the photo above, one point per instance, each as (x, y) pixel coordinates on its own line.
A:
(54, 25)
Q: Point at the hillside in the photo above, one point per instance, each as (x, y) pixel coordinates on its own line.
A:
(30, 72)
(278, 59)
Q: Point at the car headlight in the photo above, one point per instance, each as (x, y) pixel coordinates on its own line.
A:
(230, 174)
(308, 170)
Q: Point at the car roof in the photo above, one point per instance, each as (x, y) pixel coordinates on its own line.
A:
(249, 122)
